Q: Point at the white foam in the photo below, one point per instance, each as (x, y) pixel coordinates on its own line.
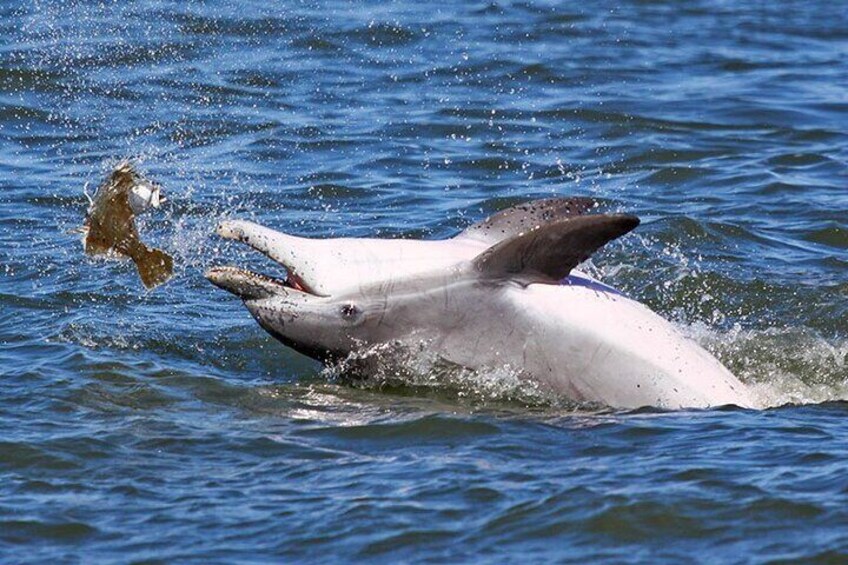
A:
(788, 365)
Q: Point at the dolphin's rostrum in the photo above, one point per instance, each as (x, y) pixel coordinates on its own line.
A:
(491, 297)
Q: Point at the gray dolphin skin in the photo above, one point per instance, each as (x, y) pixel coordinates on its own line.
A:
(503, 294)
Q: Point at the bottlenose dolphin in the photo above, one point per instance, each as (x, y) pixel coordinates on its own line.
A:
(504, 293)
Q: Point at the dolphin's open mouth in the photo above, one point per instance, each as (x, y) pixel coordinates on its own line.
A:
(249, 285)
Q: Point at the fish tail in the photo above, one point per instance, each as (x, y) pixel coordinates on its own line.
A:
(154, 266)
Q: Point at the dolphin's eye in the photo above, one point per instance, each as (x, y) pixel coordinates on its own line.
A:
(349, 312)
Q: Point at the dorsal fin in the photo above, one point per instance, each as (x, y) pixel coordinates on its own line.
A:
(522, 218)
(548, 254)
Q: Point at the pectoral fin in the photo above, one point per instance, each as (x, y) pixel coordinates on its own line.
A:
(548, 254)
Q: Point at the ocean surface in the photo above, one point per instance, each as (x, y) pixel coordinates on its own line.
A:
(166, 426)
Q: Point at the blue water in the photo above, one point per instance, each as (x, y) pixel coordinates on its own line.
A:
(165, 426)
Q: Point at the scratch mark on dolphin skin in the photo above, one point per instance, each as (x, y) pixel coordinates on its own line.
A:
(576, 280)
(381, 319)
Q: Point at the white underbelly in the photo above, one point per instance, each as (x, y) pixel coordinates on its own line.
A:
(603, 347)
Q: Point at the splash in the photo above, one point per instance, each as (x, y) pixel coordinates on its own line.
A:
(789, 365)
(771, 334)
(416, 367)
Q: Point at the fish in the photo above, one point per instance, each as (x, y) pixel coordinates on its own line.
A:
(109, 228)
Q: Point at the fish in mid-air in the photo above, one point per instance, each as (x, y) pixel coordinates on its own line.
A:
(110, 228)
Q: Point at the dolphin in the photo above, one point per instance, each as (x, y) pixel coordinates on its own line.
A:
(504, 293)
